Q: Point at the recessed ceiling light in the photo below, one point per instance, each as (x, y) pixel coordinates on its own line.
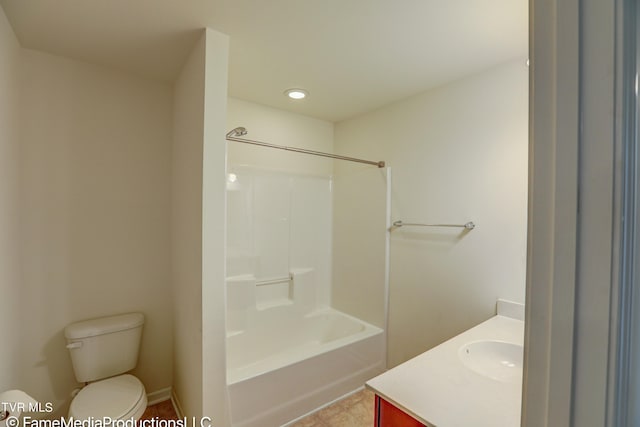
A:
(296, 93)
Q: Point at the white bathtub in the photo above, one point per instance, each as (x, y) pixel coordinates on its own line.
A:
(287, 364)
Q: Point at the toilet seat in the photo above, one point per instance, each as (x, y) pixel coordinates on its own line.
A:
(118, 398)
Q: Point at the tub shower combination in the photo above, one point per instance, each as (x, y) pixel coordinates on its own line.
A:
(290, 364)
(288, 350)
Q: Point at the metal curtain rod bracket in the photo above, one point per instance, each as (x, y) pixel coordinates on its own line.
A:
(235, 134)
(468, 226)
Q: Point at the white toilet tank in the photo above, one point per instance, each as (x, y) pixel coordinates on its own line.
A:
(104, 347)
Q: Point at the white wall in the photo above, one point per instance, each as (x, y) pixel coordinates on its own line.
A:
(198, 213)
(96, 159)
(96, 148)
(10, 277)
(458, 153)
(359, 239)
(282, 128)
(214, 375)
(186, 231)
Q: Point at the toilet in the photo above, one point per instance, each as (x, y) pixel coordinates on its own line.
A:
(102, 351)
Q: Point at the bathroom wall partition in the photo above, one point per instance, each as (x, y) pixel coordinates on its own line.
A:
(289, 350)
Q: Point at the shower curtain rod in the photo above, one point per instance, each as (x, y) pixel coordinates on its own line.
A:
(236, 133)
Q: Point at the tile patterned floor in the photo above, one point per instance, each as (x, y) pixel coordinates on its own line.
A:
(163, 410)
(355, 410)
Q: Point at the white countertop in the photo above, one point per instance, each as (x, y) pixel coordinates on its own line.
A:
(438, 390)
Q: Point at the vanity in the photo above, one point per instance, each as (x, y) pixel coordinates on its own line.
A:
(473, 379)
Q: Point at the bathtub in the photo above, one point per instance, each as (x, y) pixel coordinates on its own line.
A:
(288, 364)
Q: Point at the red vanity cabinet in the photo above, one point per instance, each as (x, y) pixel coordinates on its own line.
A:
(387, 415)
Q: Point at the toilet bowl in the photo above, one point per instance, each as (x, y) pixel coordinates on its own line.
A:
(117, 398)
(102, 351)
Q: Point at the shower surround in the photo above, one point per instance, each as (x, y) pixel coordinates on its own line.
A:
(288, 350)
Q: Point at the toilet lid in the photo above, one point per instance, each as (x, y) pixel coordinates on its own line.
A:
(115, 398)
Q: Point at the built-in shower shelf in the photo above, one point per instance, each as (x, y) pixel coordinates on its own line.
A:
(273, 303)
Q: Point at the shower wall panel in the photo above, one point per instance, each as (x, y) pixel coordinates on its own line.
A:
(278, 224)
(310, 226)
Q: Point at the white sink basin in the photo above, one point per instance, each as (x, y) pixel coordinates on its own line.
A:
(498, 360)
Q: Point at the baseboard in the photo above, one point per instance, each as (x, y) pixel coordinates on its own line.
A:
(176, 404)
(159, 396)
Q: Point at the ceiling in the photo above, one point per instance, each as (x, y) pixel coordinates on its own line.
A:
(352, 56)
